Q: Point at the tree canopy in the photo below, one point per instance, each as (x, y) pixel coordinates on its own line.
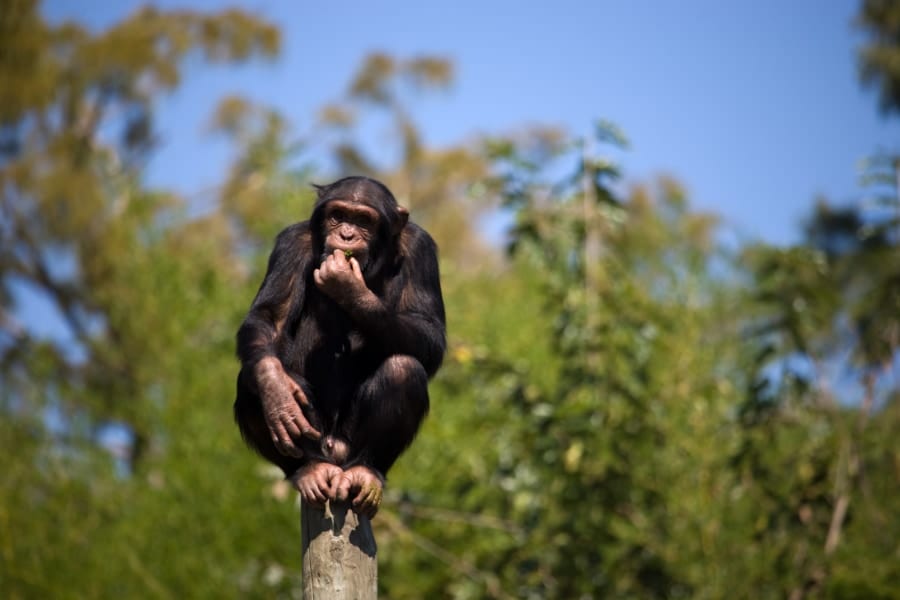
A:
(627, 409)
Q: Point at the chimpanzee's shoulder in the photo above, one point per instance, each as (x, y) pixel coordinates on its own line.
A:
(416, 238)
(296, 230)
(294, 234)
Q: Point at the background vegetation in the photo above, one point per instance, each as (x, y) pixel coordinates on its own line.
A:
(626, 410)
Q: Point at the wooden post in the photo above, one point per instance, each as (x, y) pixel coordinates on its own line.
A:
(339, 561)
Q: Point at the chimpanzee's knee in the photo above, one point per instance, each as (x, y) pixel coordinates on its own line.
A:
(403, 372)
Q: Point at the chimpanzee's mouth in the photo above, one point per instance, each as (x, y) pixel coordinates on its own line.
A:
(361, 257)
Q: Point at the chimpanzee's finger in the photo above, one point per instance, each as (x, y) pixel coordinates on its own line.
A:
(312, 496)
(342, 488)
(309, 432)
(278, 434)
(283, 442)
(333, 476)
(357, 270)
(329, 268)
(321, 487)
(368, 506)
(373, 500)
(360, 497)
(330, 477)
(320, 483)
(300, 396)
(306, 430)
(292, 427)
(280, 446)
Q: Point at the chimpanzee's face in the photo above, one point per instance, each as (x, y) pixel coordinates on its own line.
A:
(350, 227)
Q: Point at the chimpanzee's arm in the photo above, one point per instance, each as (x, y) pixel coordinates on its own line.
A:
(282, 287)
(281, 397)
(417, 327)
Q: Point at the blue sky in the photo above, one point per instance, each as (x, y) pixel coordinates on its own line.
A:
(754, 105)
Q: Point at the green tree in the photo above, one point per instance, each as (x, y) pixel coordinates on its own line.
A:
(143, 368)
(621, 413)
(816, 456)
(77, 128)
(880, 58)
(591, 380)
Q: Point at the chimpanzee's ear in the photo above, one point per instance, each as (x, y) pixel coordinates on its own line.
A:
(403, 215)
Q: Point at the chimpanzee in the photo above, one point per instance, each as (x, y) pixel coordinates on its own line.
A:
(339, 344)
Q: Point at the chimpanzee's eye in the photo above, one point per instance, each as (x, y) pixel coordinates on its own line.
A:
(364, 220)
(336, 216)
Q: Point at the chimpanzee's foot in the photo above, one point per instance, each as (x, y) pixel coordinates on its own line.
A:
(317, 482)
(364, 486)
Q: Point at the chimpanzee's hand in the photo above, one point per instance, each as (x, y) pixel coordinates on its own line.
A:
(316, 482)
(340, 279)
(281, 399)
(364, 485)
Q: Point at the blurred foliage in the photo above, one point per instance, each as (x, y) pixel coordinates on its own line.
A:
(879, 63)
(625, 411)
(439, 185)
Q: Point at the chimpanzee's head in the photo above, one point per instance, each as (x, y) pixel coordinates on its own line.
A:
(360, 217)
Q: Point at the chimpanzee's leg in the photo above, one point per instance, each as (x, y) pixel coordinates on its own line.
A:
(248, 414)
(386, 413)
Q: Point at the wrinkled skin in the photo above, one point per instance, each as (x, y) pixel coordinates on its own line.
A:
(282, 400)
(341, 279)
(319, 482)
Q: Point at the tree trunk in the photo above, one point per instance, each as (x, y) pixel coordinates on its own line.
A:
(339, 561)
